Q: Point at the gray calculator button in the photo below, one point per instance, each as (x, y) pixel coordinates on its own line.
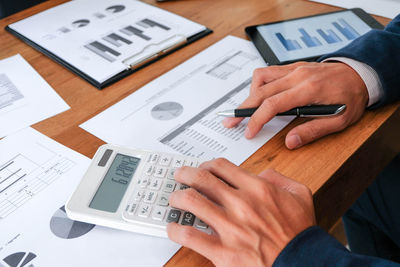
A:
(144, 210)
(169, 186)
(163, 200)
(188, 218)
(106, 156)
(173, 216)
(200, 224)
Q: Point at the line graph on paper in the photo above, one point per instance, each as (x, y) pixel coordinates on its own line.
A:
(23, 176)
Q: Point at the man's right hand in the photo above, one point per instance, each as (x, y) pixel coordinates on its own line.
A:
(277, 89)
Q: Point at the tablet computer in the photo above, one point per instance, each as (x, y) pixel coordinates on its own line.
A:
(308, 38)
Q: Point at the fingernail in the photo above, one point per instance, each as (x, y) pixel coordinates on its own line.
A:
(247, 133)
(226, 122)
(293, 141)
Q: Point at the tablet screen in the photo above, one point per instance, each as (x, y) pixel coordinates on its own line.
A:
(312, 36)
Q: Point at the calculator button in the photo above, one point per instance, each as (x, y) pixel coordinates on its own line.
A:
(160, 172)
(150, 197)
(154, 158)
(188, 218)
(149, 170)
(191, 163)
(200, 224)
(169, 186)
(165, 160)
(138, 195)
(170, 174)
(159, 213)
(163, 200)
(155, 184)
(173, 215)
(144, 210)
(144, 182)
(177, 163)
(133, 208)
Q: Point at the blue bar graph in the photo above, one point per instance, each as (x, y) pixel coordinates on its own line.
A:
(290, 45)
(308, 40)
(349, 32)
(330, 37)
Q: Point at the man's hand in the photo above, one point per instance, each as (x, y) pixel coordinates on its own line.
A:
(280, 88)
(253, 216)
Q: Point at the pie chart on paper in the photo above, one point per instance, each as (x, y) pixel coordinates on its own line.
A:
(19, 259)
(65, 228)
(166, 111)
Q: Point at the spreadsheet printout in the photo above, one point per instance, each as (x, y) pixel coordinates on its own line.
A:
(25, 97)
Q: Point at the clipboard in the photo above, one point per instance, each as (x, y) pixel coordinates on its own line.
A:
(69, 50)
(134, 62)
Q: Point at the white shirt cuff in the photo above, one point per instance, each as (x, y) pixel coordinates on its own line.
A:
(367, 74)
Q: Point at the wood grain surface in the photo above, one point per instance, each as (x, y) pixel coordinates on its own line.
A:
(337, 168)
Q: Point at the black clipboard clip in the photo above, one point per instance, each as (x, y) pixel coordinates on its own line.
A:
(153, 51)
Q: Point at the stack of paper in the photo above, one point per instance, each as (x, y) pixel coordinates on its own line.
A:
(385, 8)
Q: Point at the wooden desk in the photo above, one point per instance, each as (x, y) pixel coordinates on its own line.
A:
(337, 168)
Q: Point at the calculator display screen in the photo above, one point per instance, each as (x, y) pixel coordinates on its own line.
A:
(114, 185)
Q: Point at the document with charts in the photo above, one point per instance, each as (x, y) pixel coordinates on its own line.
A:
(99, 40)
(177, 111)
(37, 176)
(25, 97)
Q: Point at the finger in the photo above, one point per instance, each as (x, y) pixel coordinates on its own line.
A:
(281, 181)
(261, 79)
(227, 171)
(194, 239)
(273, 105)
(313, 130)
(192, 201)
(250, 102)
(262, 76)
(203, 181)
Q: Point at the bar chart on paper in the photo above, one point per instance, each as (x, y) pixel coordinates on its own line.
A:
(23, 176)
(144, 30)
(339, 31)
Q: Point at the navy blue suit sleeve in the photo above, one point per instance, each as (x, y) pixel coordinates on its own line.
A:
(379, 49)
(315, 247)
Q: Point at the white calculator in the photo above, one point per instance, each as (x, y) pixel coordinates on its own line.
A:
(129, 189)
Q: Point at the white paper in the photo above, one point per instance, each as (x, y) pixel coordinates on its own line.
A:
(37, 176)
(96, 36)
(25, 97)
(385, 8)
(176, 113)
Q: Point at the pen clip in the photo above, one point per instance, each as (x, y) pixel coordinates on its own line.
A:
(153, 51)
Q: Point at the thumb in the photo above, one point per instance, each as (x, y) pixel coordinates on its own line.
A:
(313, 130)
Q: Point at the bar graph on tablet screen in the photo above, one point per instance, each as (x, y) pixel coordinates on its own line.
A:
(339, 31)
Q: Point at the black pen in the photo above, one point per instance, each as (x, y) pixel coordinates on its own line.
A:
(306, 111)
